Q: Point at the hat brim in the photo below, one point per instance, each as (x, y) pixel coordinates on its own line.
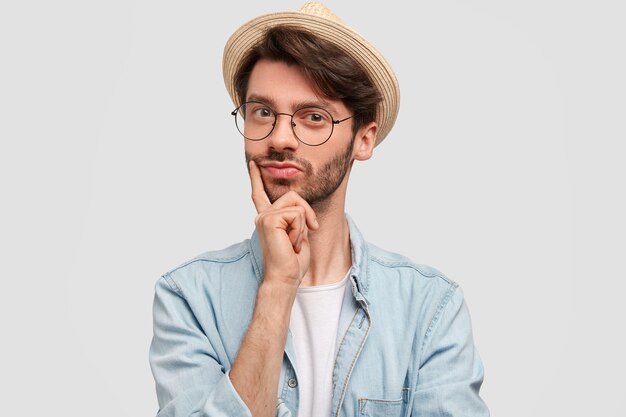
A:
(379, 71)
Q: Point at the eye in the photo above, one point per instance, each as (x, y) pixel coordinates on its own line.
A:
(262, 112)
(316, 117)
(313, 116)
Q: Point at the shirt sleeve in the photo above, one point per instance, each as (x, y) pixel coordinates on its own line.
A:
(189, 379)
(451, 372)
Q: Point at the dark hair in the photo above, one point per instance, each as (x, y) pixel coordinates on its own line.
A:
(332, 71)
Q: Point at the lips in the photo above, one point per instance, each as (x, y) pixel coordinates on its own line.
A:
(281, 169)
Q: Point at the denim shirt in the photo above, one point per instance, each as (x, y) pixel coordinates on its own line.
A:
(404, 342)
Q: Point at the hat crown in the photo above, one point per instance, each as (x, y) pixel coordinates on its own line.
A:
(319, 10)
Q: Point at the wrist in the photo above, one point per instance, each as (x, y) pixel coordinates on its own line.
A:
(276, 296)
(280, 284)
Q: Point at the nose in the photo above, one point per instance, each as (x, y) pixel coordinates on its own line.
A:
(283, 137)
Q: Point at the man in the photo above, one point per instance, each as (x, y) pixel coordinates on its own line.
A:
(306, 318)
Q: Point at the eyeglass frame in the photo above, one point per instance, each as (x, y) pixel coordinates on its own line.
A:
(292, 124)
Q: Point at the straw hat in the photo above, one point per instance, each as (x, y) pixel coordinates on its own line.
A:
(318, 19)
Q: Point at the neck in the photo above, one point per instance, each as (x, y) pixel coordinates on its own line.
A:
(331, 255)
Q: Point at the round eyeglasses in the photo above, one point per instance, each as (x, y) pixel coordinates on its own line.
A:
(311, 125)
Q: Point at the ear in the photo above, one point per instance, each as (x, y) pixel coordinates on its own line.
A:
(364, 141)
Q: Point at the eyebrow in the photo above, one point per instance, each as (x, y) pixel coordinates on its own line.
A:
(295, 105)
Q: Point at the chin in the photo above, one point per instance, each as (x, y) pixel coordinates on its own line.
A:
(278, 188)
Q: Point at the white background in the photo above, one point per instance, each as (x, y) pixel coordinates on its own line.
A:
(119, 160)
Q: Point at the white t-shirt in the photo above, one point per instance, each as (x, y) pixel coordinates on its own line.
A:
(313, 324)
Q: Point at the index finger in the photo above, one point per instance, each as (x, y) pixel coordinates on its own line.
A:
(259, 197)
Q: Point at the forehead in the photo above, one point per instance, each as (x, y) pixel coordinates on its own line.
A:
(286, 86)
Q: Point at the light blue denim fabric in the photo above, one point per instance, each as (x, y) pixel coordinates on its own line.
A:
(405, 343)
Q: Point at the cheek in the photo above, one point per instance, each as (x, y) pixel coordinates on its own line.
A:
(254, 148)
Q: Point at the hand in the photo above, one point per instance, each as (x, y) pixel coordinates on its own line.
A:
(283, 232)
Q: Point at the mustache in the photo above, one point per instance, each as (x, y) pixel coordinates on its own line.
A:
(286, 156)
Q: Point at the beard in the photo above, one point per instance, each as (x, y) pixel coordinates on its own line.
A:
(319, 186)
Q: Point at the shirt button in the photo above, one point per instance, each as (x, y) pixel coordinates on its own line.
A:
(292, 383)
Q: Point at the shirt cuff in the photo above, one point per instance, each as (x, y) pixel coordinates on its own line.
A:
(224, 400)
